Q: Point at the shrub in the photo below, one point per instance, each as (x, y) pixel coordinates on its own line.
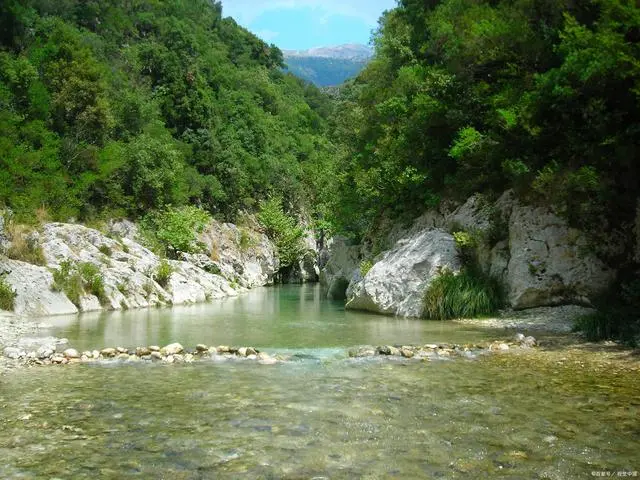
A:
(467, 294)
(93, 281)
(467, 243)
(24, 245)
(163, 273)
(174, 230)
(67, 279)
(245, 241)
(76, 280)
(123, 287)
(7, 296)
(282, 230)
(105, 250)
(618, 316)
(365, 266)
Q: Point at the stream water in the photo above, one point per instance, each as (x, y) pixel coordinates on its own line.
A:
(325, 416)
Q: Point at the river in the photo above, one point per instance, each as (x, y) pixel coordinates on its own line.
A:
(324, 416)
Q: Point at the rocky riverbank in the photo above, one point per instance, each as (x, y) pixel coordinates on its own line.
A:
(64, 268)
(539, 259)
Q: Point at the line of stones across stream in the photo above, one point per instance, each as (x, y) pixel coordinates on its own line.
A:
(176, 353)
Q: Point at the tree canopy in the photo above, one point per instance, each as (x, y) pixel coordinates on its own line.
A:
(122, 106)
(469, 96)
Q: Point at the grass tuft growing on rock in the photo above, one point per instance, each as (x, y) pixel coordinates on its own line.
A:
(617, 318)
(163, 274)
(24, 245)
(68, 280)
(7, 296)
(467, 294)
(76, 280)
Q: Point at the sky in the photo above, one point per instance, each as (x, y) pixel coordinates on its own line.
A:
(304, 24)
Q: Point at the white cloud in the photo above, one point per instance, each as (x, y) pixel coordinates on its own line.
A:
(246, 11)
(267, 35)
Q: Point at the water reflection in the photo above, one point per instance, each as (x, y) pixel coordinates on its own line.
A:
(278, 317)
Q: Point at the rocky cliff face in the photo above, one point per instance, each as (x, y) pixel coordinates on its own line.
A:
(241, 254)
(130, 275)
(539, 258)
(341, 262)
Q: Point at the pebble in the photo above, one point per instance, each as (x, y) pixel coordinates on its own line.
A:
(46, 352)
(71, 353)
(13, 353)
(108, 352)
(172, 349)
(406, 353)
(142, 351)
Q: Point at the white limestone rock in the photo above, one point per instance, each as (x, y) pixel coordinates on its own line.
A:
(396, 284)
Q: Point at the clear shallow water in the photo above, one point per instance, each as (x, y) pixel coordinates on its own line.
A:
(503, 416)
(286, 317)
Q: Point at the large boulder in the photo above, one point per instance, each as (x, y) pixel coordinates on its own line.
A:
(34, 295)
(342, 266)
(241, 254)
(550, 263)
(396, 284)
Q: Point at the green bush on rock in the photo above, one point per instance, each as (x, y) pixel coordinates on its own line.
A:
(467, 294)
(282, 230)
(163, 274)
(7, 296)
(76, 280)
(174, 230)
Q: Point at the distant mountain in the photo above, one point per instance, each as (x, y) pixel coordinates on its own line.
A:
(328, 66)
(350, 51)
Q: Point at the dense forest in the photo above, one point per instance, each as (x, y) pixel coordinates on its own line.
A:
(124, 106)
(469, 96)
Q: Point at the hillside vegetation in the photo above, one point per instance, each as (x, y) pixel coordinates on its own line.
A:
(468, 96)
(120, 107)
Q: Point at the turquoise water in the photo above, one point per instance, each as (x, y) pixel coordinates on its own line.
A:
(503, 416)
(286, 317)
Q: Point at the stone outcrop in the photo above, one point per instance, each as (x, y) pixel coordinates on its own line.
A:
(128, 272)
(342, 266)
(538, 257)
(34, 295)
(241, 254)
(307, 269)
(397, 282)
(549, 262)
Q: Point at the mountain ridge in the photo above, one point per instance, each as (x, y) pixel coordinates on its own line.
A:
(328, 66)
(348, 51)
